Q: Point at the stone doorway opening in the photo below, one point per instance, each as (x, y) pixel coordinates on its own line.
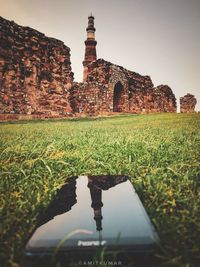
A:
(118, 97)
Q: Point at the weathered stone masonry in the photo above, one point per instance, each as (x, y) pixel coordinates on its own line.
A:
(187, 103)
(35, 72)
(111, 88)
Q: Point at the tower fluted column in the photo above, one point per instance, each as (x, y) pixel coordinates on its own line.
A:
(90, 46)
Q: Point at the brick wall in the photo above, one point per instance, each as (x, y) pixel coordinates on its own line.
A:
(35, 72)
(187, 103)
(112, 88)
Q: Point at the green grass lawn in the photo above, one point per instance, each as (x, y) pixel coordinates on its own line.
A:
(160, 153)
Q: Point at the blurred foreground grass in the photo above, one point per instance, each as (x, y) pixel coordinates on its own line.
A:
(161, 154)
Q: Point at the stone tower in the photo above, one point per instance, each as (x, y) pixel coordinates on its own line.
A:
(90, 46)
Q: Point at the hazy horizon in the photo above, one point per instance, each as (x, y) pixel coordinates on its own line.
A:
(152, 37)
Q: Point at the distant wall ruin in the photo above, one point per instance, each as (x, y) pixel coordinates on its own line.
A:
(111, 88)
(187, 103)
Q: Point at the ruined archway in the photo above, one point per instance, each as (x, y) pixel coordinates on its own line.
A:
(118, 97)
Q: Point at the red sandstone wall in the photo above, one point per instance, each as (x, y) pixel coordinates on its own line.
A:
(138, 95)
(35, 72)
(90, 98)
(187, 103)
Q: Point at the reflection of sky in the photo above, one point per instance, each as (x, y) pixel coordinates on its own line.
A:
(153, 37)
(122, 213)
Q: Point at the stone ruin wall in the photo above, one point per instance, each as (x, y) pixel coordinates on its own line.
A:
(97, 94)
(187, 103)
(35, 72)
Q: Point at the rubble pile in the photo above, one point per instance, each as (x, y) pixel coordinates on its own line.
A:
(187, 103)
(35, 72)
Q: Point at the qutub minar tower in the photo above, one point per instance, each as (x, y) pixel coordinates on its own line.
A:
(90, 46)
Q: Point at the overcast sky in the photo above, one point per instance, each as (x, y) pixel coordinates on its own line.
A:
(160, 38)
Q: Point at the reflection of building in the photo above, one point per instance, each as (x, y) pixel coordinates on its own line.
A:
(105, 182)
(96, 184)
(63, 201)
(66, 197)
(96, 197)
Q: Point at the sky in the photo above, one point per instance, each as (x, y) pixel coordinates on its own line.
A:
(159, 38)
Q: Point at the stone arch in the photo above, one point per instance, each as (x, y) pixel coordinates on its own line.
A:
(118, 97)
(118, 79)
